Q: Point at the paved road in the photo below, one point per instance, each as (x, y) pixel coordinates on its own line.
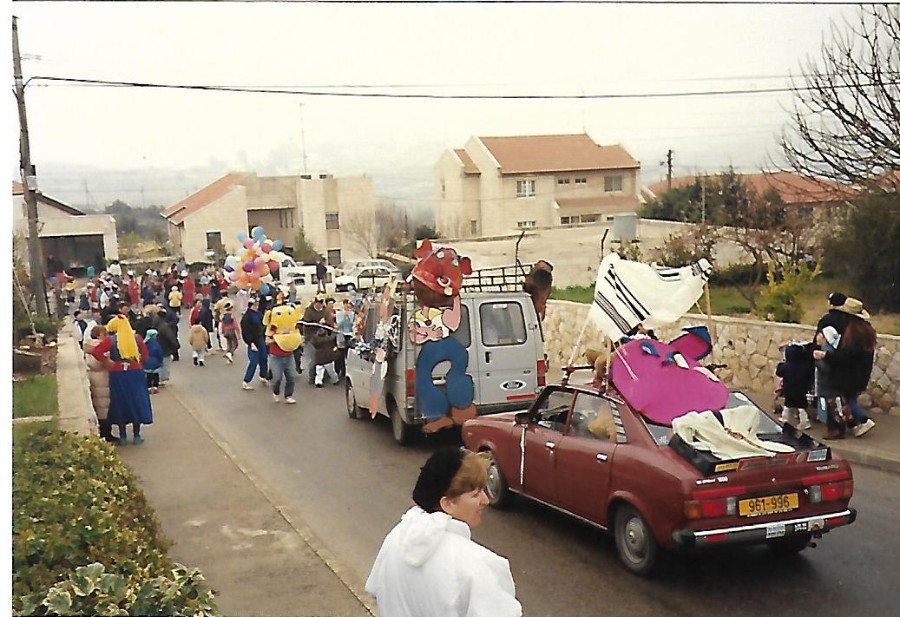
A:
(349, 482)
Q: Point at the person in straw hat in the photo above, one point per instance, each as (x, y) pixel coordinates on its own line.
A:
(851, 362)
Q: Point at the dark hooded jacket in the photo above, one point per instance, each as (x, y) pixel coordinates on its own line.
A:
(797, 371)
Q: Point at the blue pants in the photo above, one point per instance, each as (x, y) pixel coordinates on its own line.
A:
(283, 367)
(433, 402)
(257, 358)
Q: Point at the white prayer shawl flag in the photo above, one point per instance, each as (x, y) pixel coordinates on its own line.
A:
(629, 293)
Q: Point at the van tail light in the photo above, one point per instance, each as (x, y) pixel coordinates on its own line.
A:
(410, 382)
(713, 503)
(541, 373)
(829, 487)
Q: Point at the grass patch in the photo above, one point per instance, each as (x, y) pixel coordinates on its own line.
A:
(575, 293)
(36, 396)
(23, 430)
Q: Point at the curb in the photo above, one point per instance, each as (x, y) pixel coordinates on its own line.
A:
(868, 458)
(290, 517)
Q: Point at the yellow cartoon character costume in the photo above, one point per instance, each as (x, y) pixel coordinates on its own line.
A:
(281, 326)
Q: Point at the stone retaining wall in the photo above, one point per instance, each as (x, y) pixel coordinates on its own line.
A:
(749, 348)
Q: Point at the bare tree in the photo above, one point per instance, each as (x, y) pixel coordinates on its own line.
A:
(845, 124)
(374, 230)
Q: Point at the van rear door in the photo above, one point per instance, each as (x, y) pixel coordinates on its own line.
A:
(505, 351)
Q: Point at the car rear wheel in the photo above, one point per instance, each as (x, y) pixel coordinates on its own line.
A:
(351, 287)
(353, 409)
(790, 545)
(635, 543)
(401, 430)
(496, 487)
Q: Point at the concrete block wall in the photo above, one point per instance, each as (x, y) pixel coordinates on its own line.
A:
(749, 348)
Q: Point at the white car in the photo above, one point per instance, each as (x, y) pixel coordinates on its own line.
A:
(347, 267)
(364, 278)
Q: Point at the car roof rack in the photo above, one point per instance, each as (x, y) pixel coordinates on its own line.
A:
(499, 278)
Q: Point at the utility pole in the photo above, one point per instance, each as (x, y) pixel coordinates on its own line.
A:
(669, 170)
(29, 181)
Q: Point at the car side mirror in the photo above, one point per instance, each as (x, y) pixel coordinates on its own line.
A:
(523, 418)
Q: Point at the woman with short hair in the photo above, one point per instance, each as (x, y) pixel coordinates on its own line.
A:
(428, 565)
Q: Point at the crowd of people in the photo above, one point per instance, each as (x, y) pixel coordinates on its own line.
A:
(115, 306)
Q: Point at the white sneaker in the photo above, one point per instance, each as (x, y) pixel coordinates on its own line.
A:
(861, 429)
(290, 400)
(229, 357)
(263, 382)
(276, 397)
(246, 386)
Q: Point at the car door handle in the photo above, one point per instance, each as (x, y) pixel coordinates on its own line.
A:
(550, 445)
(602, 457)
(487, 356)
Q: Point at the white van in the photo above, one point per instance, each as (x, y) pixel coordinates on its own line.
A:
(304, 278)
(502, 334)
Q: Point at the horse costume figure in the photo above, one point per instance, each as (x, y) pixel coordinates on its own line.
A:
(436, 280)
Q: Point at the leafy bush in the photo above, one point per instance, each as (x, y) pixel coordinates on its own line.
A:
(686, 248)
(48, 327)
(75, 504)
(780, 299)
(735, 274)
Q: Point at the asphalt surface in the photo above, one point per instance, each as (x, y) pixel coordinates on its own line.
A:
(284, 507)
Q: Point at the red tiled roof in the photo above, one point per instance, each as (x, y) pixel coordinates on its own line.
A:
(205, 196)
(555, 153)
(792, 188)
(469, 167)
(600, 202)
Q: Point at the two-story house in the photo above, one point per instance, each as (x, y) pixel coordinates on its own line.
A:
(495, 185)
(212, 217)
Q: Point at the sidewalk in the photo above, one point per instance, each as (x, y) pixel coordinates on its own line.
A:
(258, 558)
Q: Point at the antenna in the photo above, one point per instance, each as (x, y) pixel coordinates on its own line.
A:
(303, 138)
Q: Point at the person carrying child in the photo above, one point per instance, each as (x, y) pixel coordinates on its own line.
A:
(797, 373)
(827, 392)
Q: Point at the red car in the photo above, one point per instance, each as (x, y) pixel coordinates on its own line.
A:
(589, 454)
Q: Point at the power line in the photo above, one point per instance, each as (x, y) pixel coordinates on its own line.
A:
(396, 95)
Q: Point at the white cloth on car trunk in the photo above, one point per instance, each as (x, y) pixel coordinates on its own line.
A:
(735, 439)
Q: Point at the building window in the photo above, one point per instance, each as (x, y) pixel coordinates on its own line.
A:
(580, 180)
(562, 181)
(526, 224)
(565, 220)
(589, 218)
(612, 184)
(473, 227)
(285, 218)
(213, 240)
(331, 221)
(334, 257)
(524, 188)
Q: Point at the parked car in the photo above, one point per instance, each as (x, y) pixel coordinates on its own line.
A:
(370, 277)
(589, 454)
(358, 264)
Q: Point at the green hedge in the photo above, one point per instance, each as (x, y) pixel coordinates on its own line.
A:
(76, 506)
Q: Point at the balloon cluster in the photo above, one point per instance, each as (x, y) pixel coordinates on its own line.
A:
(257, 259)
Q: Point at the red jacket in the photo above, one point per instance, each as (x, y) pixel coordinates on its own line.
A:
(105, 348)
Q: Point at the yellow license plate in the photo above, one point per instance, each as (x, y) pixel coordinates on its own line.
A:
(771, 504)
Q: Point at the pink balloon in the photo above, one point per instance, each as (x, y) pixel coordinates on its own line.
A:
(254, 276)
(273, 266)
(248, 243)
(263, 270)
(259, 261)
(266, 247)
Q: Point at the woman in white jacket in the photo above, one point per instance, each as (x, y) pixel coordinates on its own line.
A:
(428, 565)
(98, 378)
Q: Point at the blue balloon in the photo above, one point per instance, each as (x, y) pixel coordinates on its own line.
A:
(242, 235)
(263, 289)
(258, 233)
(277, 245)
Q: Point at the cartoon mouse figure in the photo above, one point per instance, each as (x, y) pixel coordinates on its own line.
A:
(437, 280)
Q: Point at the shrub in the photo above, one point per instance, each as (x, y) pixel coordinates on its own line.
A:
(48, 327)
(780, 299)
(734, 275)
(75, 504)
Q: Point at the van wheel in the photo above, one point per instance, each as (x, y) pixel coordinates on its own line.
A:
(635, 543)
(496, 488)
(401, 430)
(353, 410)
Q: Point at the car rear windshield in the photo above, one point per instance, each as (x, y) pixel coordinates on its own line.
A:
(767, 426)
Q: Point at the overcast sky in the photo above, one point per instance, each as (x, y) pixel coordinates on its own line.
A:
(480, 49)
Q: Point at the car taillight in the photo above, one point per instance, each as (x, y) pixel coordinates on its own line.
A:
(410, 382)
(713, 503)
(541, 373)
(835, 486)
